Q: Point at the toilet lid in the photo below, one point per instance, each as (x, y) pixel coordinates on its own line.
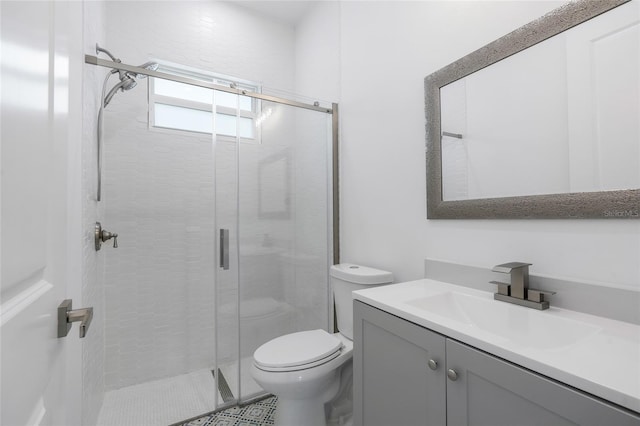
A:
(297, 349)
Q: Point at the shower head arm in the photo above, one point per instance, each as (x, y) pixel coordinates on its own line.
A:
(122, 73)
(113, 58)
(102, 50)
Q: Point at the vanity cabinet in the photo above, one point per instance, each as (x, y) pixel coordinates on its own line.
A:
(407, 375)
(393, 383)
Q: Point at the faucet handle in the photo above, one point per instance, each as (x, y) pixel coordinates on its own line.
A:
(538, 295)
(503, 288)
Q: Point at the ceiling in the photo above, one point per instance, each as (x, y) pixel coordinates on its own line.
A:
(290, 12)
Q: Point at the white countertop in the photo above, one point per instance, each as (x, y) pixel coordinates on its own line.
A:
(598, 355)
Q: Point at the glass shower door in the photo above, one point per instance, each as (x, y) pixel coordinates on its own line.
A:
(225, 152)
(273, 201)
(159, 284)
(284, 237)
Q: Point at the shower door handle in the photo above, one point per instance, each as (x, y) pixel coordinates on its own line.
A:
(224, 249)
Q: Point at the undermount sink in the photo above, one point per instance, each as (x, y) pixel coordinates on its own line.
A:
(524, 326)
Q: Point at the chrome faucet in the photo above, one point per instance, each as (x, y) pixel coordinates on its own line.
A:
(518, 291)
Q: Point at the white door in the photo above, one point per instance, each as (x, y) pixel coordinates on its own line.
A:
(37, 40)
(603, 69)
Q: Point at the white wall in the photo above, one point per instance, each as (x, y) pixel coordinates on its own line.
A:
(317, 53)
(387, 48)
(317, 76)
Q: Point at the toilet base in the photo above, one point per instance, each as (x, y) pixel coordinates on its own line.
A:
(306, 411)
(303, 394)
(298, 412)
(340, 409)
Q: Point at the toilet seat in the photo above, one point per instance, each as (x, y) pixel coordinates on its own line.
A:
(298, 367)
(297, 351)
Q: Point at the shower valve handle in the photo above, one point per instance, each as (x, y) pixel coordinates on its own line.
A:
(106, 235)
(101, 236)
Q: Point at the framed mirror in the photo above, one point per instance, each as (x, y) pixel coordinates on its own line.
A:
(541, 123)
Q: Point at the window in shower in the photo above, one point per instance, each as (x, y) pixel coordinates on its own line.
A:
(184, 107)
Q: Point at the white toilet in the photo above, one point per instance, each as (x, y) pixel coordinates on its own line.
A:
(304, 369)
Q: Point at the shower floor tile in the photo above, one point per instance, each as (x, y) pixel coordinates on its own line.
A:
(160, 402)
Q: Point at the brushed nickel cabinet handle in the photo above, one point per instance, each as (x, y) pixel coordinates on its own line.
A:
(452, 374)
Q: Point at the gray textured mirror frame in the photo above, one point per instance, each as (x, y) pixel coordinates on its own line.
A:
(605, 204)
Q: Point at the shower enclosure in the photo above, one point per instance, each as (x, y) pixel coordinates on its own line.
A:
(272, 215)
(225, 231)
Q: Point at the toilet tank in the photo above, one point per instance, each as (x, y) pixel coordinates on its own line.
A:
(346, 278)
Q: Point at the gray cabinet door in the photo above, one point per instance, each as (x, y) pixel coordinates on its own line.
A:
(490, 391)
(393, 383)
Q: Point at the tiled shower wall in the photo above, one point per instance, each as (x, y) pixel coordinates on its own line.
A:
(159, 284)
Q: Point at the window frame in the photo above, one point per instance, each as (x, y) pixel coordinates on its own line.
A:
(219, 79)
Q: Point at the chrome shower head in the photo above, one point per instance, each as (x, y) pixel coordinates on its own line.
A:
(126, 83)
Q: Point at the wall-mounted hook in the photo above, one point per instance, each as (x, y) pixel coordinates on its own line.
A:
(101, 236)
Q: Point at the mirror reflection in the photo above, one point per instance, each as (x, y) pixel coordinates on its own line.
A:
(558, 117)
(274, 186)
